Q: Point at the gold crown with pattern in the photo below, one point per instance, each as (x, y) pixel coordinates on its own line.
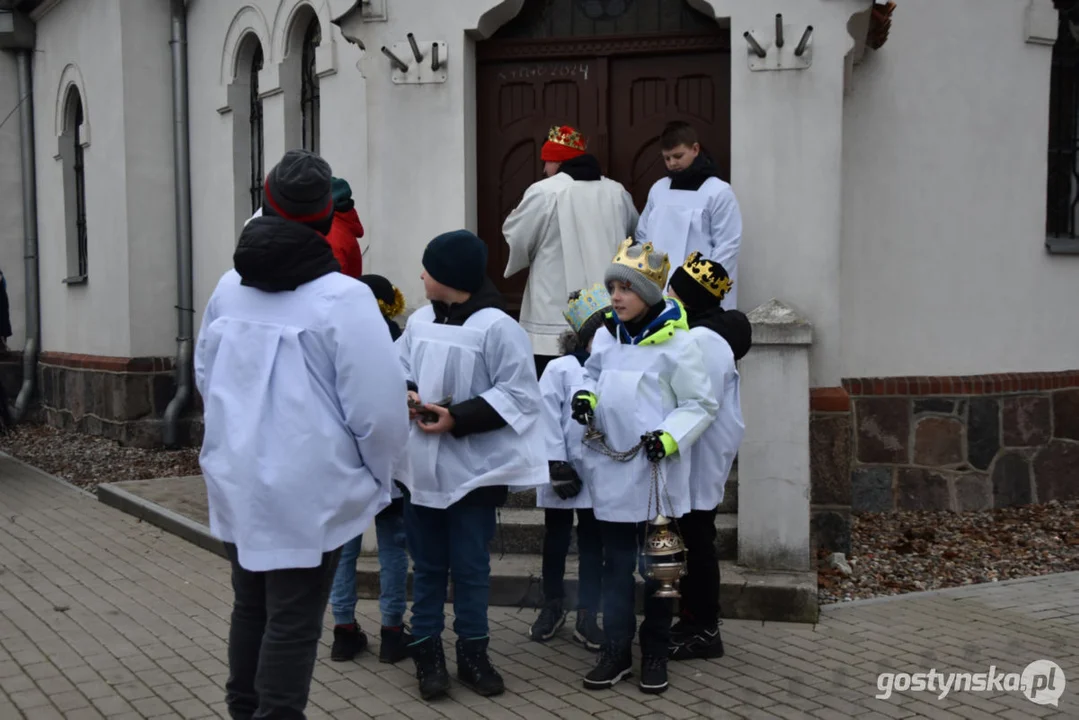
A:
(567, 136)
(708, 274)
(645, 259)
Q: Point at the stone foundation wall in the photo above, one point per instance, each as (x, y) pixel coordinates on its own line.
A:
(967, 443)
(830, 451)
(122, 399)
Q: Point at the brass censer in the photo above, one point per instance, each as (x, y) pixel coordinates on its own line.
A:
(664, 557)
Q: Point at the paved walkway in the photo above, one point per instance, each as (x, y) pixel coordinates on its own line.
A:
(104, 616)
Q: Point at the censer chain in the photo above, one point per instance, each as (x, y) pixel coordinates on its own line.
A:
(597, 441)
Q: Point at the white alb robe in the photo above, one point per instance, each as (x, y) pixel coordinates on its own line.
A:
(712, 456)
(662, 387)
(490, 357)
(567, 231)
(708, 220)
(306, 417)
(561, 379)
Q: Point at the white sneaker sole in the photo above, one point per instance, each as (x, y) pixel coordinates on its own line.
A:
(544, 638)
(582, 640)
(605, 684)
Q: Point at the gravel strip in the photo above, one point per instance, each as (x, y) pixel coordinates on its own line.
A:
(892, 553)
(87, 461)
(904, 552)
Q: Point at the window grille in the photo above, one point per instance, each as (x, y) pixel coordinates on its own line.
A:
(309, 90)
(1063, 180)
(257, 159)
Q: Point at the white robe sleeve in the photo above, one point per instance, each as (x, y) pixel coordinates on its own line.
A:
(370, 382)
(404, 353)
(202, 347)
(553, 397)
(525, 227)
(697, 404)
(514, 394)
(646, 216)
(632, 218)
(725, 229)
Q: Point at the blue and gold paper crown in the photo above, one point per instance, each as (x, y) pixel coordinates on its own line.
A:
(587, 303)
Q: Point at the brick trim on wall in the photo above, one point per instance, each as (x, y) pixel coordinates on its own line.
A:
(995, 384)
(829, 399)
(105, 363)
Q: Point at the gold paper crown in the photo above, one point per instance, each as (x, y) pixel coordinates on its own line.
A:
(645, 259)
(567, 136)
(708, 274)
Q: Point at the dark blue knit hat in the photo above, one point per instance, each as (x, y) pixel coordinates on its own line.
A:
(457, 259)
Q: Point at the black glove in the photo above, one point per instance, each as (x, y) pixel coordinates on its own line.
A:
(653, 446)
(564, 479)
(583, 407)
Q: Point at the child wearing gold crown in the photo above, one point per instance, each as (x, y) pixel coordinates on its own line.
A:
(646, 385)
(724, 336)
(561, 377)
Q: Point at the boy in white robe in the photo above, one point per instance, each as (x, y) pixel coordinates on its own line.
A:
(305, 428)
(692, 209)
(725, 336)
(566, 230)
(561, 378)
(647, 386)
(478, 430)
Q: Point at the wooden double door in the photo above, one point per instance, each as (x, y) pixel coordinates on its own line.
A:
(619, 91)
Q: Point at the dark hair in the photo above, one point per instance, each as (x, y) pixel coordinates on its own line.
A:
(678, 133)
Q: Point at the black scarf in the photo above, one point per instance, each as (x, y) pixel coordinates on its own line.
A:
(275, 255)
(486, 297)
(695, 175)
(582, 167)
(732, 325)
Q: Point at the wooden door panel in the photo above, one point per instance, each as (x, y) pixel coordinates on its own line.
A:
(518, 102)
(647, 93)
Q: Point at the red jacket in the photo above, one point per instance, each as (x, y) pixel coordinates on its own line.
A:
(344, 233)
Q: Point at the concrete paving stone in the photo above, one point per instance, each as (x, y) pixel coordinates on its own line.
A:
(151, 614)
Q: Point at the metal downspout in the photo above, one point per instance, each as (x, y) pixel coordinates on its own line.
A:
(29, 222)
(184, 281)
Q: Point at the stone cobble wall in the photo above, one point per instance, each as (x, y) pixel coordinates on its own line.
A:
(966, 444)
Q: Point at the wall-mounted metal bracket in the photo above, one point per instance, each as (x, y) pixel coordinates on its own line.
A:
(373, 10)
(773, 49)
(417, 62)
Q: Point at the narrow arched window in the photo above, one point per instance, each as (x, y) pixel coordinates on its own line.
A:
(74, 178)
(257, 156)
(309, 91)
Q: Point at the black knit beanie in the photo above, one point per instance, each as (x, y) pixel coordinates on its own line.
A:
(457, 259)
(299, 189)
(700, 283)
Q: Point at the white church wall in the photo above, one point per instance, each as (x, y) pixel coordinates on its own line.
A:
(944, 200)
(78, 44)
(151, 213)
(11, 225)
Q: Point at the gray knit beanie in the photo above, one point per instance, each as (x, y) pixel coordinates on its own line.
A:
(643, 268)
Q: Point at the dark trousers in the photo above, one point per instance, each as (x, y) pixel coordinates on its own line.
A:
(700, 587)
(558, 526)
(621, 543)
(454, 541)
(273, 639)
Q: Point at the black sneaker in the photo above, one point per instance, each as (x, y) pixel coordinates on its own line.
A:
(431, 671)
(348, 642)
(551, 618)
(395, 642)
(653, 674)
(681, 629)
(615, 663)
(701, 644)
(474, 668)
(587, 632)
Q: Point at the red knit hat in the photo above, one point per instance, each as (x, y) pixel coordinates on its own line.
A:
(563, 143)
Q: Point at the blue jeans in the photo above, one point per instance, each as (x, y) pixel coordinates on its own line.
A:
(444, 542)
(393, 572)
(621, 557)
